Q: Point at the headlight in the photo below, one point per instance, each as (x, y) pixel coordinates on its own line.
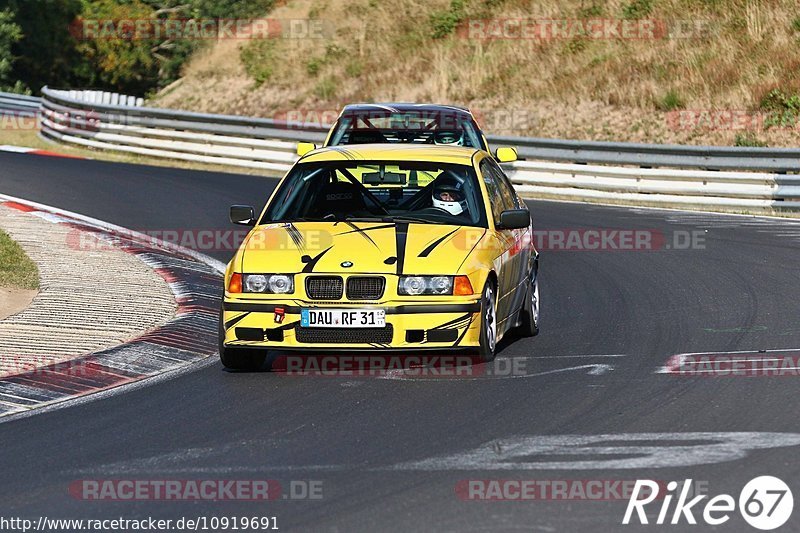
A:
(255, 283)
(269, 283)
(281, 284)
(416, 285)
(412, 285)
(441, 285)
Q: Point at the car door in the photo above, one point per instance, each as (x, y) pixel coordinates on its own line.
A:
(507, 264)
(522, 250)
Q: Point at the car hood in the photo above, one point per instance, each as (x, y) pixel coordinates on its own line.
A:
(358, 247)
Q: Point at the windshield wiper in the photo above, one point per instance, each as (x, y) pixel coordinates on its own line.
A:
(403, 218)
(290, 220)
(364, 219)
(390, 218)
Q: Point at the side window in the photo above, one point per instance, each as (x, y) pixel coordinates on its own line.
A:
(505, 187)
(492, 187)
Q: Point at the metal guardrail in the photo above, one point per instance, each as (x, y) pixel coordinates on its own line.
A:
(18, 104)
(749, 190)
(779, 160)
(658, 174)
(220, 139)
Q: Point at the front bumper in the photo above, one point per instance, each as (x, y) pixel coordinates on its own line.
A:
(417, 325)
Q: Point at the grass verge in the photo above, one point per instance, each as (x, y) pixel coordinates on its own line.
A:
(17, 271)
(693, 72)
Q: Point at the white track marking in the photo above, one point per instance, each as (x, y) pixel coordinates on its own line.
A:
(648, 450)
(407, 375)
(15, 149)
(678, 360)
(585, 452)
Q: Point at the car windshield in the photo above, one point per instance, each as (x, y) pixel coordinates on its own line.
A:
(422, 192)
(423, 127)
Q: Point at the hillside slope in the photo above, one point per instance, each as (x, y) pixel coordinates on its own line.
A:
(686, 71)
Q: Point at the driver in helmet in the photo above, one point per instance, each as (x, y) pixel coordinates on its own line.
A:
(448, 137)
(448, 194)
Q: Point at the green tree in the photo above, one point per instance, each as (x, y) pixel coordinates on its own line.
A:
(116, 60)
(46, 54)
(10, 34)
(43, 42)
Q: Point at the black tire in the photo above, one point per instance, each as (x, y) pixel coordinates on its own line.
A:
(488, 337)
(238, 358)
(529, 315)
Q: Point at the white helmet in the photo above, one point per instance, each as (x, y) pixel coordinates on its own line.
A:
(448, 194)
(447, 137)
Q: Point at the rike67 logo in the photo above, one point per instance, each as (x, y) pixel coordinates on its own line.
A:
(765, 503)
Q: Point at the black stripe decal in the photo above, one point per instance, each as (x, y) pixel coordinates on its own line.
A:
(434, 244)
(464, 317)
(311, 264)
(361, 232)
(234, 321)
(401, 236)
(296, 236)
(463, 333)
(470, 251)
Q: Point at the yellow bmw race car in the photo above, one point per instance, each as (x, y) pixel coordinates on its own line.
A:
(376, 247)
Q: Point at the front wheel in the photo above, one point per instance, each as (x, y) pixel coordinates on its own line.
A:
(488, 338)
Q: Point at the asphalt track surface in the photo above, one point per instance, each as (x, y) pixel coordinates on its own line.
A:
(359, 435)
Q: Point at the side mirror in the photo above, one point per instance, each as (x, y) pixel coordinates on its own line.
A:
(303, 148)
(514, 219)
(506, 154)
(244, 215)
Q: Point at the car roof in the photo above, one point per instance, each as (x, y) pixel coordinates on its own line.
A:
(458, 155)
(401, 107)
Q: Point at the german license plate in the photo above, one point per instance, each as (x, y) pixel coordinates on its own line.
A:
(342, 318)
